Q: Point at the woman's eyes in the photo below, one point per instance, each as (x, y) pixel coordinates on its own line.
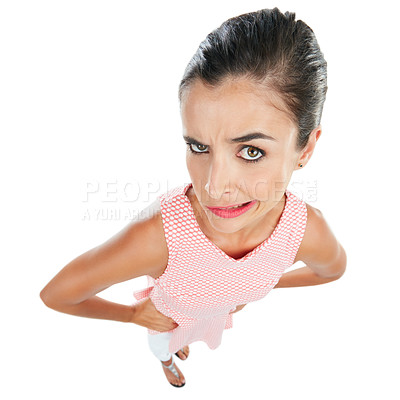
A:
(252, 151)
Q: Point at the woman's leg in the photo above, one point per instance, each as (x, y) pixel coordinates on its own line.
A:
(159, 345)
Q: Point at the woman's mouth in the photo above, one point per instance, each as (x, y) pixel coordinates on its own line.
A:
(232, 212)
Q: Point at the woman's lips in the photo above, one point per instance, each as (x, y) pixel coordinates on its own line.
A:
(232, 212)
(226, 207)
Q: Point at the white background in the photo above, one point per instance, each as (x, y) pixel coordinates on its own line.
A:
(89, 102)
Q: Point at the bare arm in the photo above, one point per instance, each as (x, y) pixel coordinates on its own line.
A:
(139, 249)
(323, 255)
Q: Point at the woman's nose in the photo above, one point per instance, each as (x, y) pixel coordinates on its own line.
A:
(218, 181)
(213, 192)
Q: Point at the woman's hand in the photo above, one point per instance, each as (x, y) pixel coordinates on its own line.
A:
(238, 308)
(145, 314)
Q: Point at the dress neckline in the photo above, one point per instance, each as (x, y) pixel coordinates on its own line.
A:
(258, 248)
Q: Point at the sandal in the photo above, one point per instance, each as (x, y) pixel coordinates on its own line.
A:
(173, 370)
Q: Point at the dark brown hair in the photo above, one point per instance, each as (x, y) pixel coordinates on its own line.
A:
(272, 49)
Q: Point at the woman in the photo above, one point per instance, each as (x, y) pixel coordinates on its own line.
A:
(251, 102)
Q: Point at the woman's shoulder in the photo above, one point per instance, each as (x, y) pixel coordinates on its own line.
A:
(150, 227)
(313, 214)
(143, 243)
(319, 248)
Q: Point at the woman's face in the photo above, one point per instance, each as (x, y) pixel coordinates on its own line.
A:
(226, 170)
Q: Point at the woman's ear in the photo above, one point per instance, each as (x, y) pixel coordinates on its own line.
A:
(307, 152)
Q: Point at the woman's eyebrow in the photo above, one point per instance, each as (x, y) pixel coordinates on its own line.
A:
(245, 138)
(252, 136)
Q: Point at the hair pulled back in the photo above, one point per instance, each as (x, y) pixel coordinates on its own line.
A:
(273, 50)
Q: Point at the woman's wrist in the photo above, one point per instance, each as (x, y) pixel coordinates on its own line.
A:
(133, 314)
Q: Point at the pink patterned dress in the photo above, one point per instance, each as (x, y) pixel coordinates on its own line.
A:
(201, 284)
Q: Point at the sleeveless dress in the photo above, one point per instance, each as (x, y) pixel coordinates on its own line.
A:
(201, 284)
